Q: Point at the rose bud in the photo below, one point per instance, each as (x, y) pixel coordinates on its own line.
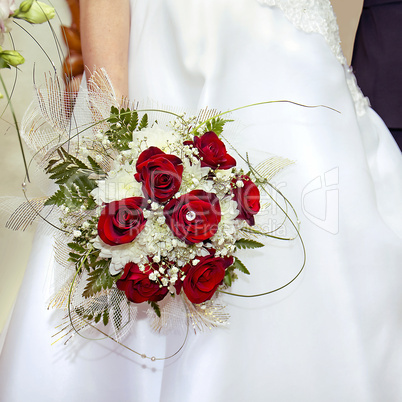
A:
(34, 12)
(121, 221)
(159, 173)
(11, 57)
(193, 217)
(212, 152)
(247, 196)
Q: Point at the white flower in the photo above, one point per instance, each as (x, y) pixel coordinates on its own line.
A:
(153, 276)
(119, 184)
(7, 8)
(228, 209)
(127, 154)
(155, 136)
(173, 279)
(146, 213)
(195, 171)
(224, 174)
(77, 233)
(224, 251)
(228, 227)
(161, 220)
(123, 253)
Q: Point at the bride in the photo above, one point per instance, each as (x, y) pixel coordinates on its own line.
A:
(332, 335)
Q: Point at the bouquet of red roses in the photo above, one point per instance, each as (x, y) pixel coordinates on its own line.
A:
(166, 218)
(146, 212)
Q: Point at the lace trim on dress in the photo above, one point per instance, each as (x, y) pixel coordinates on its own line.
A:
(318, 16)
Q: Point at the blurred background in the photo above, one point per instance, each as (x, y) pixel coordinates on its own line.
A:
(15, 247)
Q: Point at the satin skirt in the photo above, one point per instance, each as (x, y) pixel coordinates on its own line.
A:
(332, 335)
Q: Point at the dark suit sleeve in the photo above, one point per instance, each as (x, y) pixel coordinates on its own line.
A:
(377, 58)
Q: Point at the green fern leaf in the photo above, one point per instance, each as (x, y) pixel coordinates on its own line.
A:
(105, 317)
(98, 280)
(227, 280)
(156, 308)
(59, 197)
(77, 162)
(144, 122)
(95, 166)
(247, 243)
(132, 121)
(216, 125)
(237, 264)
(76, 247)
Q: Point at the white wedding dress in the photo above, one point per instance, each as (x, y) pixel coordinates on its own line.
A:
(335, 334)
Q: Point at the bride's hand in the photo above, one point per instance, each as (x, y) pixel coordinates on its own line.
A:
(105, 30)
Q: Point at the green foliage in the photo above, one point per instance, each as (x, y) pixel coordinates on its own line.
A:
(101, 310)
(105, 316)
(230, 275)
(143, 123)
(72, 176)
(156, 308)
(77, 247)
(4, 64)
(216, 125)
(247, 243)
(92, 259)
(123, 123)
(237, 264)
(95, 311)
(10, 58)
(99, 279)
(84, 259)
(95, 166)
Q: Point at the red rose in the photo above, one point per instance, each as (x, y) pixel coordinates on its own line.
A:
(159, 173)
(121, 221)
(212, 152)
(138, 287)
(247, 198)
(203, 279)
(193, 217)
